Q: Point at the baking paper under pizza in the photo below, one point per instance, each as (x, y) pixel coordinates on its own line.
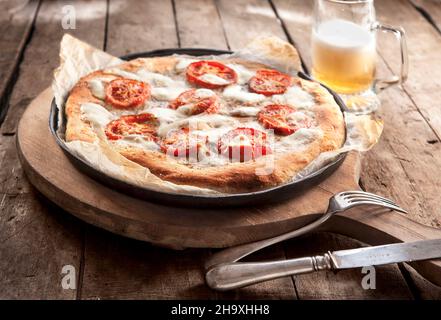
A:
(221, 124)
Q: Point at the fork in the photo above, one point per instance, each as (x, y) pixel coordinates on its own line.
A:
(338, 203)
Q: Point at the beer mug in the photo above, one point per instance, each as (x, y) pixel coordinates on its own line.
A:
(344, 51)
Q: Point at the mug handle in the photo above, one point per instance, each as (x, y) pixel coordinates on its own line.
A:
(381, 84)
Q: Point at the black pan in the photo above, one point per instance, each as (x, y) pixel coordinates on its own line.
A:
(278, 193)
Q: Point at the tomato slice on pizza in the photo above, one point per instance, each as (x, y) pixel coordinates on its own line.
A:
(278, 117)
(144, 124)
(182, 143)
(196, 102)
(210, 74)
(243, 144)
(269, 82)
(127, 93)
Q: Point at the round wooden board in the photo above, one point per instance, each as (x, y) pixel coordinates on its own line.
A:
(54, 175)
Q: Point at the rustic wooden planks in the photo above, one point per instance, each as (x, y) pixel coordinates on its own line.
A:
(38, 239)
(140, 26)
(243, 20)
(431, 9)
(199, 25)
(41, 56)
(32, 230)
(390, 165)
(345, 284)
(154, 270)
(160, 273)
(424, 44)
(296, 16)
(16, 20)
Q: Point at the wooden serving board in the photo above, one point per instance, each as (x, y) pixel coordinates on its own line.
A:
(52, 174)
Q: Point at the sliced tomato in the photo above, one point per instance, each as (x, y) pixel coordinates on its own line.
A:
(276, 117)
(195, 103)
(243, 144)
(144, 124)
(181, 143)
(196, 71)
(127, 93)
(269, 82)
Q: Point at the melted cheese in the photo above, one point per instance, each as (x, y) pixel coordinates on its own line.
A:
(204, 93)
(157, 79)
(298, 141)
(165, 115)
(166, 94)
(96, 114)
(137, 141)
(245, 112)
(123, 73)
(165, 89)
(243, 74)
(152, 78)
(300, 116)
(236, 92)
(96, 86)
(214, 79)
(296, 97)
(183, 63)
(204, 122)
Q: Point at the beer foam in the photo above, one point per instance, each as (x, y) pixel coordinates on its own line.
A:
(344, 34)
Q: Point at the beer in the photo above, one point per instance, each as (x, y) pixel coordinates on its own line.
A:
(343, 56)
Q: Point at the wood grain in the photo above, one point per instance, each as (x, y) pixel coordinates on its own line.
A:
(38, 239)
(424, 43)
(32, 228)
(136, 26)
(41, 56)
(431, 9)
(16, 20)
(178, 275)
(297, 18)
(215, 36)
(389, 168)
(244, 20)
(345, 284)
(199, 24)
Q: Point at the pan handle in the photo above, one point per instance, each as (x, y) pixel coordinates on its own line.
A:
(376, 227)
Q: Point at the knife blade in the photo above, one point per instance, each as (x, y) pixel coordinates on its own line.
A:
(386, 254)
(239, 274)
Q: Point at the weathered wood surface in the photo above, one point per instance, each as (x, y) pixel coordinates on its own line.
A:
(188, 264)
(16, 20)
(431, 10)
(37, 239)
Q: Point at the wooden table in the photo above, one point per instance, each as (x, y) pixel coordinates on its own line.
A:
(37, 238)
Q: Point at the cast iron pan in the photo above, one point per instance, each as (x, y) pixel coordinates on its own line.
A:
(278, 193)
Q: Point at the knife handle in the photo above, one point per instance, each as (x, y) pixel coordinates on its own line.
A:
(240, 274)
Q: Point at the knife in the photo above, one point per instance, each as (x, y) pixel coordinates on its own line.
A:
(234, 275)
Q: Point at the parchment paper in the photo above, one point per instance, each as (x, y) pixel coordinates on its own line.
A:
(78, 59)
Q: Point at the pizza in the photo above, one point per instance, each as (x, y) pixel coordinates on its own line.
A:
(224, 124)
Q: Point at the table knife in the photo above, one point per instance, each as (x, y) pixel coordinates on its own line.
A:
(233, 275)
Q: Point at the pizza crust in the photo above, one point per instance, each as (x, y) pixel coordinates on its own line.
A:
(230, 178)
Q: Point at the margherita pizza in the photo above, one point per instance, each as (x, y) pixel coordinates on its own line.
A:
(228, 125)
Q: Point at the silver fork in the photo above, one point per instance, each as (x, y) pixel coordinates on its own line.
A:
(339, 202)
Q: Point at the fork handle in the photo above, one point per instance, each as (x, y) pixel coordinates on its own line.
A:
(240, 274)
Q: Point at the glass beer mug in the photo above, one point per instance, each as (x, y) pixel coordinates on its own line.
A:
(344, 51)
